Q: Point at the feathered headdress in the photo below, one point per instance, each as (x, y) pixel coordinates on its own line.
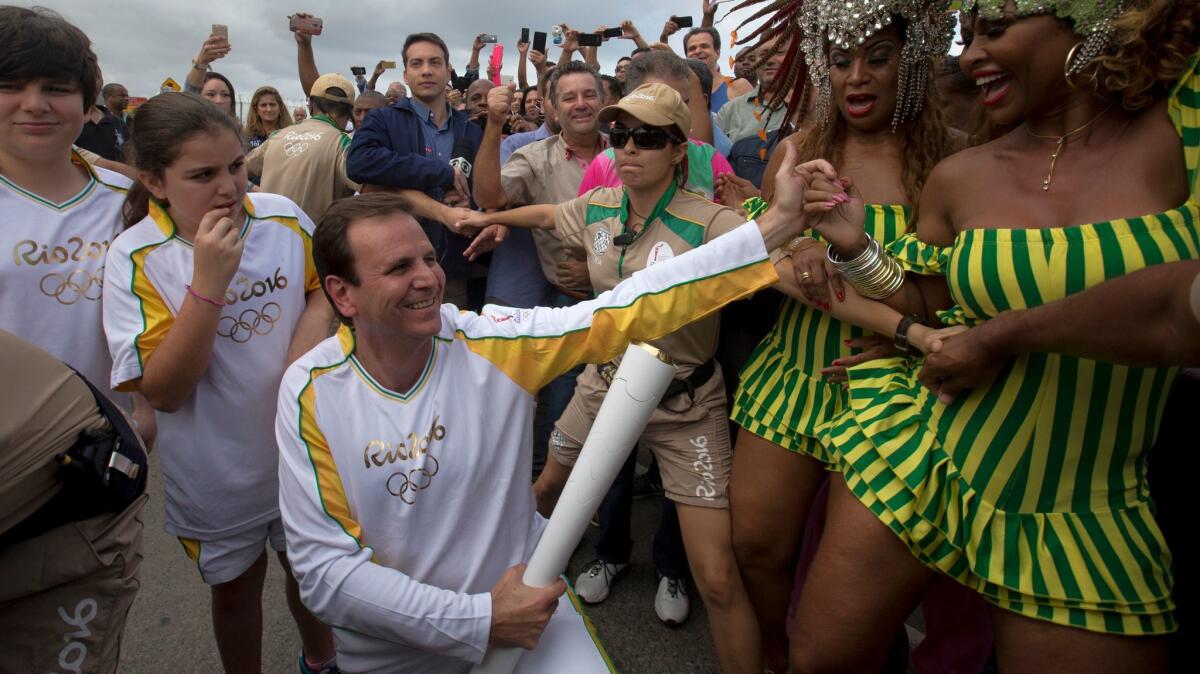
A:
(847, 24)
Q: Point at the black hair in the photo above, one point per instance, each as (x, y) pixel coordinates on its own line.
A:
(424, 37)
(39, 44)
(164, 124)
(704, 30)
(639, 50)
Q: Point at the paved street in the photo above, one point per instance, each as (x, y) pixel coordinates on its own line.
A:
(169, 629)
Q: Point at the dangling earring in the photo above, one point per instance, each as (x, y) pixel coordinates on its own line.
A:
(1067, 67)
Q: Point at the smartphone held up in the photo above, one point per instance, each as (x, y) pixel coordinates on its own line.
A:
(308, 25)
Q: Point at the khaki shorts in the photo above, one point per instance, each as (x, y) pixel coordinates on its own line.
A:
(690, 440)
(224, 559)
(65, 594)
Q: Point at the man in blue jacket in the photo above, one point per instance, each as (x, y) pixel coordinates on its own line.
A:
(410, 145)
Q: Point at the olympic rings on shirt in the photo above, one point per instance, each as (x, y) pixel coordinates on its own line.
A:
(249, 323)
(407, 484)
(294, 149)
(80, 284)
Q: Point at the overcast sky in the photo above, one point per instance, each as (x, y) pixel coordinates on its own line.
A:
(141, 42)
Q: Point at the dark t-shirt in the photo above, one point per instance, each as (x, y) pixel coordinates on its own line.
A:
(106, 137)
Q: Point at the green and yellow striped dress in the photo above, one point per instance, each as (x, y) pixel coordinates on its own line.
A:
(781, 396)
(1032, 490)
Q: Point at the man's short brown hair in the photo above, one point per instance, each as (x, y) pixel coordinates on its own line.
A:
(331, 241)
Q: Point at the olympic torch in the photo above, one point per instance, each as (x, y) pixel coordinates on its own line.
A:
(634, 393)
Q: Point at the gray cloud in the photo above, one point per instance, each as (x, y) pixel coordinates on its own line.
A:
(141, 42)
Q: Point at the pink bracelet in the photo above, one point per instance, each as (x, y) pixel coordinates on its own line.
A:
(202, 298)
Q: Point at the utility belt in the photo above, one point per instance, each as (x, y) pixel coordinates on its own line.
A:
(688, 384)
(103, 472)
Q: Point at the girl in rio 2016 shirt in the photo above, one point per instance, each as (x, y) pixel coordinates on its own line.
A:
(211, 293)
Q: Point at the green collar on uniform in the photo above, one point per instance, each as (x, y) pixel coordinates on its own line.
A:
(659, 213)
(328, 120)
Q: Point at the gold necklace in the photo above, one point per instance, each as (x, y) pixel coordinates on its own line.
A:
(1062, 141)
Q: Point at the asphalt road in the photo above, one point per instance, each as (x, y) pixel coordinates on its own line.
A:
(170, 631)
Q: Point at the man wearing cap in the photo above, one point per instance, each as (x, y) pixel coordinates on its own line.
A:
(306, 162)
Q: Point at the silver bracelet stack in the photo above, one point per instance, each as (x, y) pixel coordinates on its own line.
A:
(873, 273)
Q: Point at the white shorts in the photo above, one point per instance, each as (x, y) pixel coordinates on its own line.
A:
(224, 559)
(568, 645)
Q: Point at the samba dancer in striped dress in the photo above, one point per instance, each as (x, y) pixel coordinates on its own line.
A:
(1031, 488)
(784, 394)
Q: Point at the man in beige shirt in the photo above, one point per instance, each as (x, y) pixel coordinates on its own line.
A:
(548, 171)
(306, 162)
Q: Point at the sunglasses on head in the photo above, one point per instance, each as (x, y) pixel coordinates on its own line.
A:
(644, 137)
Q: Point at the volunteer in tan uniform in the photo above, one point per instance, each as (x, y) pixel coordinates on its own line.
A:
(70, 566)
(306, 162)
(624, 230)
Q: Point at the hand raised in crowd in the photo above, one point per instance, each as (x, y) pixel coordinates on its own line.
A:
(959, 359)
(302, 37)
(873, 347)
(477, 45)
(499, 103)
(379, 69)
(629, 31)
(708, 7)
(570, 39)
(819, 281)
(522, 48)
(455, 98)
(215, 47)
(520, 612)
(669, 29)
(216, 254)
(486, 241)
(732, 190)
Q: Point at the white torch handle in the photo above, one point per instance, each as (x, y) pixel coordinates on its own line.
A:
(635, 392)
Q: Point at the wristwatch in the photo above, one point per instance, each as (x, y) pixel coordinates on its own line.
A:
(901, 339)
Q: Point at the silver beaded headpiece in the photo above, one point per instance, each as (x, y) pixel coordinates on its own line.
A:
(1093, 21)
(849, 23)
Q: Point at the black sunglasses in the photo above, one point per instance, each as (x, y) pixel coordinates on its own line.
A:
(644, 137)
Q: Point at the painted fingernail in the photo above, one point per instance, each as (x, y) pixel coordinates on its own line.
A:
(830, 204)
(842, 298)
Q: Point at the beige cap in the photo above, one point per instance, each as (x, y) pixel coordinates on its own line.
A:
(653, 104)
(324, 83)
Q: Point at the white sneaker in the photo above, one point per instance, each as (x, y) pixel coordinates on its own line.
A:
(671, 601)
(593, 584)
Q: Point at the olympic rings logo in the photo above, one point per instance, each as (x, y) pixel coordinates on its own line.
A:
(249, 323)
(295, 149)
(407, 484)
(80, 284)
